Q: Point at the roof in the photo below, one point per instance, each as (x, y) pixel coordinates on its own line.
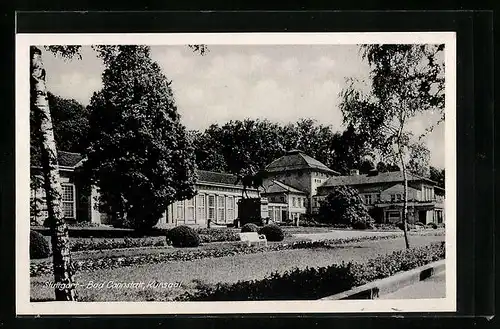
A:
(294, 160)
(279, 187)
(362, 179)
(206, 176)
(64, 159)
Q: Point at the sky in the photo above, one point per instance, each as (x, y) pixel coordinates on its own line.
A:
(280, 83)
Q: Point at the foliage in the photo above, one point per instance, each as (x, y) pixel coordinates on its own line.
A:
(138, 154)
(39, 246)
(344, 206)
(420, 157)
(408, 226)
(183, 236)
(247, 146)
(272, 232)
(249, 227)
(319, 282)
(213, 234)
(432, 225)
(437, 175)
(85, 244)
(406, 81)
(221, 250)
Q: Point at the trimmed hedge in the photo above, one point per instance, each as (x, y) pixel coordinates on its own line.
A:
(183, 236)
(272, 232)
(215, 234)
(319, 282)
(39, 246)
(84, 244)
(249, 227)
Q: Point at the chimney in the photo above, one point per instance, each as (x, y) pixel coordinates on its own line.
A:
(354, 172)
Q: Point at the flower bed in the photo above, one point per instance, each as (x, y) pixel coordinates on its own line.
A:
(316, 283)
(85, 244)
(196, 253)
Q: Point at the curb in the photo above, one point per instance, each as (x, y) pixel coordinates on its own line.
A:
(393, 283)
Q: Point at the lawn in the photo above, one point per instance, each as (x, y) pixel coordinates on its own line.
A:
(183, 274)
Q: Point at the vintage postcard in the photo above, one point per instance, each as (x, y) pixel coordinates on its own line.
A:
(225, 173)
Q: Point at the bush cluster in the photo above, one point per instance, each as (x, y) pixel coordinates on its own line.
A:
(319, 282)
(39, 246)
(272, 232)
(183, 236)
(249, 227)
(344, 206)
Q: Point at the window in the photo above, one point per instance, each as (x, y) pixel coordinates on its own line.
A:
(271, 213)
(68, 200)
(393, 197)
(378, 197)
(400, 197)
(211, 207)
(221, 209)
(190, 210)
(200, 207)
(368, 198)
(294, 201)
(282, 198)
(230, 208)
(180, 210)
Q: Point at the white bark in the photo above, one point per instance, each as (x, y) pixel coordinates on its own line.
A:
(63, 269)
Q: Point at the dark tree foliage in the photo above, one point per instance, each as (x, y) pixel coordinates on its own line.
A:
(246, 147)
(70, 121)
(437, 175)
(344, 206)
(139, 154)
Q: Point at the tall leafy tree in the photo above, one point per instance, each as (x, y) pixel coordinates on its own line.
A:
(139, 154)
(406, 80)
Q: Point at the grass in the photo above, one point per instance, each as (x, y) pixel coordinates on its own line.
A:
(212, 270)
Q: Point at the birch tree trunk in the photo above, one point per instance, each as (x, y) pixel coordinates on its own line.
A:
(63, 270)
(405, 199)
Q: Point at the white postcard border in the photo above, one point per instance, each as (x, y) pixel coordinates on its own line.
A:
(25, 307)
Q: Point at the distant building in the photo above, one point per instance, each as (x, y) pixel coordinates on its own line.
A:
(295, 185)
(383, 194)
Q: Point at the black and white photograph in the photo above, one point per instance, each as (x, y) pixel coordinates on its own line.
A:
(235, 173)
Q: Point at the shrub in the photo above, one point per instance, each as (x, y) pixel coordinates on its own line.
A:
(183, 236)
(361, 225)
(318, 282)
(344, 206)
(433, 225)
(39, 246)
(408, 226)
(215, 234)
(419, 224)
(250, 227)
(272, 232)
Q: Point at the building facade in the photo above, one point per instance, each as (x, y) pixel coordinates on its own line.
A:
(295, 185)
(383, 194)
